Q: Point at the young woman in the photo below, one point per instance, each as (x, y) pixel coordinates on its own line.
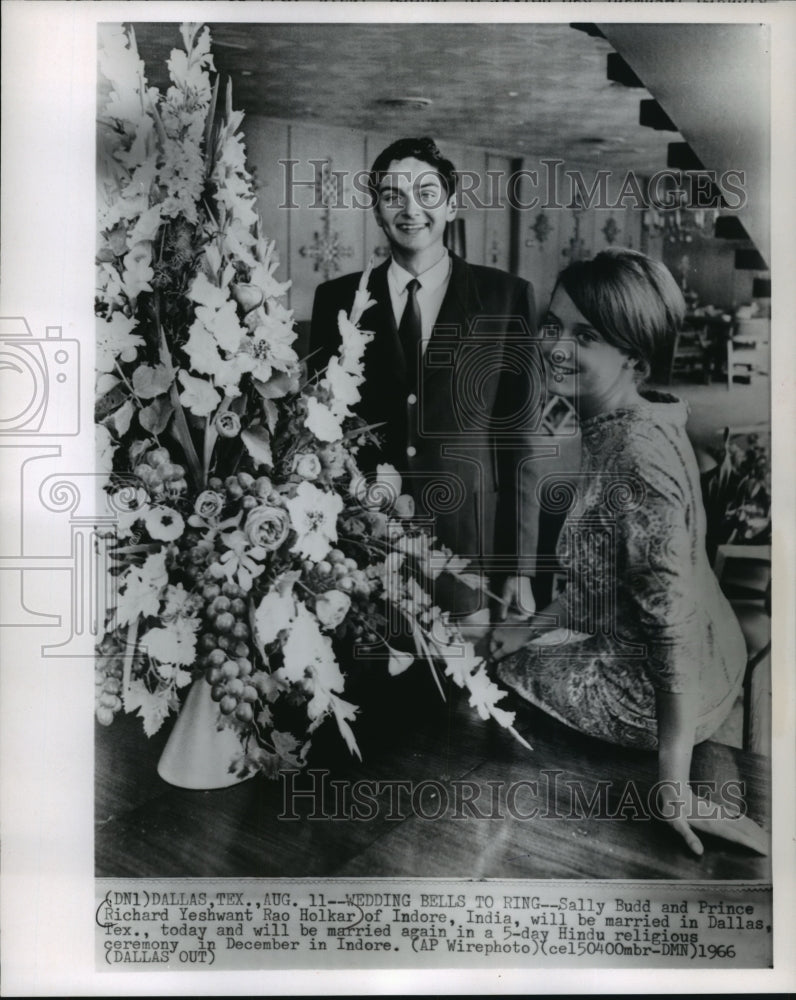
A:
(641, 649)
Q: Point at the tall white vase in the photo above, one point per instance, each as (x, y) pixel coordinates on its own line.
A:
(197, 754)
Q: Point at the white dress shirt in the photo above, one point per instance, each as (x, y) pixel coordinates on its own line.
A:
(433, 285)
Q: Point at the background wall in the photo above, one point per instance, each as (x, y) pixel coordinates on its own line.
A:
(316, 244)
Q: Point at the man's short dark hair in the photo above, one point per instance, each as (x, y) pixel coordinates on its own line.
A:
(423, 149)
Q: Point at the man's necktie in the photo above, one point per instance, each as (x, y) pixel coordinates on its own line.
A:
(410, 332)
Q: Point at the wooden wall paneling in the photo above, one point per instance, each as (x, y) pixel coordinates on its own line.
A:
(466, 158)
(375, 244)
(475, 218)
(325, 241)
(539, 234)
(497, 245)
(266, 145)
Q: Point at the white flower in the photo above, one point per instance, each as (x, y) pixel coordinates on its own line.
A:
(222, 324)
(309, 657)
(137, 271)
(275, 613)
(331, 607)
(164, 523)
(343, 387)
(204, 293)
(313, 514)
(386, 489)
(405, 506)
(179, 602)
(202, 350)
(353, 347)
(325, 425)
(333, 457)
(242, 559)
(399, 662)
(362, 299)
(307, 465)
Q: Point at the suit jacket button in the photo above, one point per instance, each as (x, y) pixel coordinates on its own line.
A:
(411, 399)
(411, 451)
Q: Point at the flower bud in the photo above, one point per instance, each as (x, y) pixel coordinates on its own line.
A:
(228, 424)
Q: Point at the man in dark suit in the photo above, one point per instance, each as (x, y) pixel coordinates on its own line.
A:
(452, 375)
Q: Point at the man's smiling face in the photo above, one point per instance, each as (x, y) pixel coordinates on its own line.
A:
(413, 207)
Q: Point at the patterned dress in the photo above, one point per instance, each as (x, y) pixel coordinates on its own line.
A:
(645, 609)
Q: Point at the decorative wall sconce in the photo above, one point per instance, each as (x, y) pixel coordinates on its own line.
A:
(610, 230)
(577, 248)
(541, 229)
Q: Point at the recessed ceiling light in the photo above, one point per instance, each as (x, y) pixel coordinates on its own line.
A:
(513, 93)
(246, 72)
(405, 102)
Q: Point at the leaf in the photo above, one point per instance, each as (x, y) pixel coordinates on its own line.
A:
(153, 418)
(285, 745)
(344, 710)
(151, 381)
(122, 418)
(258, 445)
(264, 718)
(271, 411)
(198, 394)
(106, 382)
(106, 404)
(153, 708)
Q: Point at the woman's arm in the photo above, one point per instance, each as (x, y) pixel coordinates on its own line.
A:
(510, 636)
(677, 716)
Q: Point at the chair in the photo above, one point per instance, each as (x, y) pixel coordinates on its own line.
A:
(744, 572)
(691, 353)
(739, 549)
(748, 349)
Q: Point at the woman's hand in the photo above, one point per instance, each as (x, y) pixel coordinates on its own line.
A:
(508, 638)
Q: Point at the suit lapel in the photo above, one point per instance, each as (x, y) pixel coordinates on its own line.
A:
(462, 299)
(461, 303)
(384, 353)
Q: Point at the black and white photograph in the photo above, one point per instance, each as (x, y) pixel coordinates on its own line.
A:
(398, 500)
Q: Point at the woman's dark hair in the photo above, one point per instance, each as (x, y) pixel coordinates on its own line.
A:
(631, 300)
(424, 149)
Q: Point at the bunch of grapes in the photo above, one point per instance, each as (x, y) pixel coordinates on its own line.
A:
(336, 572)
(225, 651)
(163, 478)
(107, 688)
(339, 572)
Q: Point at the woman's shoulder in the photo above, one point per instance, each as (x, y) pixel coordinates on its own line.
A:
(647, 440)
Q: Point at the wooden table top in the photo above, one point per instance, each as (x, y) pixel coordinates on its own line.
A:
(147, 828)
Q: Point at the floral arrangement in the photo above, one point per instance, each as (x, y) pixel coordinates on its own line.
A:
(249, 549)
